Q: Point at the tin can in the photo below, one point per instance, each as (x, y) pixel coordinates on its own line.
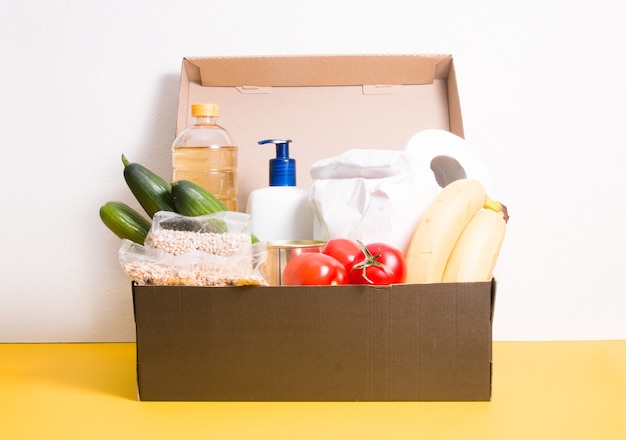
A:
(280, 252)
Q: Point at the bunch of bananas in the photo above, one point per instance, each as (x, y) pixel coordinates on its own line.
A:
(459, 236)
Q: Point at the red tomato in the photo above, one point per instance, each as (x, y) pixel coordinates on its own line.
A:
(314, 268)
(343, 250)
(380, 264)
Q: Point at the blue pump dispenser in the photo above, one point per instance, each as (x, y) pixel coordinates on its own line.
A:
(282, 167)
(281, 211)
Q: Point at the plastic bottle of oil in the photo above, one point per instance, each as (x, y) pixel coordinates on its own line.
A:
(205, 154)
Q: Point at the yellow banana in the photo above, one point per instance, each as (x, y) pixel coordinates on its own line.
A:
(440, 227)
(476, 252)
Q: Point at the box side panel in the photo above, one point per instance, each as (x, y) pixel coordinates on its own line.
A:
(454, 103)
(189, 74)
(252, 344)
(441, 342)
(379, 346)
(474, 341)
(314, 343)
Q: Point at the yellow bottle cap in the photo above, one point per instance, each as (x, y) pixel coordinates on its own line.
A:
(205, 109)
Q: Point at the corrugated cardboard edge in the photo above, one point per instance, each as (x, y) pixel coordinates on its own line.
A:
(454, 103)
(494, 288)
(317, 70)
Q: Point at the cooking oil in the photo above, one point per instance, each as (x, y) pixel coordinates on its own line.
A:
(205, 154)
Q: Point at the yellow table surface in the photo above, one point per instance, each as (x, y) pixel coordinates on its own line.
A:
(541, 390)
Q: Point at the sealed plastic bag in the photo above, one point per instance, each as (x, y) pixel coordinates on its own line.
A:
(379, 195)
(369, 195)
(210, 250)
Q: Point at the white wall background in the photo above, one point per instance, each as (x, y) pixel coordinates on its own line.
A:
(543, 91)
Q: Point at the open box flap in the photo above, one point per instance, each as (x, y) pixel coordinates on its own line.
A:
(325, 104)
(330, 70)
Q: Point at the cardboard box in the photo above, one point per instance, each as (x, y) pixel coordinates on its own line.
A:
(339, 343)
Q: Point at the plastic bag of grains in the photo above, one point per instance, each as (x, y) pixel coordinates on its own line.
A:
(210, 251)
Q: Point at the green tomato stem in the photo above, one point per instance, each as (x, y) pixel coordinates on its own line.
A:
(369, 261)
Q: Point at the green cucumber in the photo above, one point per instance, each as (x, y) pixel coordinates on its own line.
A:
(151, 191)
(124, 221)
(192, 200)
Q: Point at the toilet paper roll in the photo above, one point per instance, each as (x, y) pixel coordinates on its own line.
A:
(447, 157)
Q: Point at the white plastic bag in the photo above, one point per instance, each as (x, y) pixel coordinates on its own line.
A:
(380, 195)
(369, 195)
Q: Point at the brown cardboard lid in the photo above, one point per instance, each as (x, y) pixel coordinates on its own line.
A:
(329, 70)
(326, 104)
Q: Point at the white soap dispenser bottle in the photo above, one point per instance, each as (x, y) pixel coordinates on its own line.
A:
(281, 211)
